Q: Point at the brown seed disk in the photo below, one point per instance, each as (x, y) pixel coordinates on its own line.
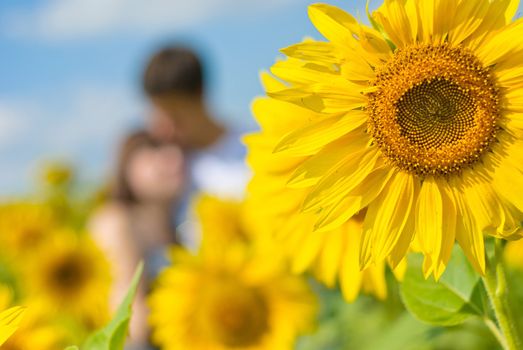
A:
(435, 110)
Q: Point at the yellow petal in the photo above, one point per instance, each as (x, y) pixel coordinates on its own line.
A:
(374, 282)
(299, 97)
(332, 22)
(386, 219)
(298, 72)
(394, 19)
(400, 270)
(339, 95)
(483, 205)
(270, 83)
(9, 321)
(495, 20)
(508, 177)
(315, 51)
(310, 172)
(511, 10)
(468, 17)
(308, 250)
(339, 181)
(278, 117)
(400, 249)
(350, 275)
(314, 136)
(350, 204)
(429, 219)
(469, 235)
(448, 230)
(331, 255)
(341, 28)
(502, 44)
(357, 69)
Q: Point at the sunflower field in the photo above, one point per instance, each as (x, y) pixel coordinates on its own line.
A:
(384, 211)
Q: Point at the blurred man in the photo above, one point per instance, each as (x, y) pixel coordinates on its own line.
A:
(174, 81)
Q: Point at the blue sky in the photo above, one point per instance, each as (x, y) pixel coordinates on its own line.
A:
(70, 72)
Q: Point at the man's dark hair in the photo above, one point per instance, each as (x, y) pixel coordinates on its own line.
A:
(173, 69)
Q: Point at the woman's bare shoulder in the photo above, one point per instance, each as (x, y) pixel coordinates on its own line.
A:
(110, 218)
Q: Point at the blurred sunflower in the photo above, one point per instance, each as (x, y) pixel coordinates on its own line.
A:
(71, 274)
(225, 222)
(23, 226)
(230, 301)
(57, 174)
(36, 330)
(221, 221)
(415, 124)
(229, 297)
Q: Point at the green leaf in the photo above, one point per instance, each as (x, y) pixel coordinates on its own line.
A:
(74, 347)
(404, 333)
(113, 335)
(458, 295)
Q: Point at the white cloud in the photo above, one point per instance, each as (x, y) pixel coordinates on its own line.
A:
(83, 126)
(94, 114)
(71, 19)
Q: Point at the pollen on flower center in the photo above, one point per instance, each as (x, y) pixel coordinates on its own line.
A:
(435, 109)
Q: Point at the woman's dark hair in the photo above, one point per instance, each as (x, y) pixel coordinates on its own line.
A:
(173, 69)
(120, 189)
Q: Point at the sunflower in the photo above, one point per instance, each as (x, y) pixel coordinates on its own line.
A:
(415, 123)
(229, 297)
(71, 274)
(23, 226)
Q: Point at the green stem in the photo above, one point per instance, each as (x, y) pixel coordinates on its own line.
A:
(495, 331)
(496, 286)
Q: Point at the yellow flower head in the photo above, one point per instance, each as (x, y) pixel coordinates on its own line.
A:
(415, 123)
(23, 226)
(72, 275)
(230, 295)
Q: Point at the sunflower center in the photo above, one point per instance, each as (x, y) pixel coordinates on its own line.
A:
(235, 316)
(69, 275)
(435, 109)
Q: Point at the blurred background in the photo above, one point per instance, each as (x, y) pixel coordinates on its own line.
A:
(71, 70)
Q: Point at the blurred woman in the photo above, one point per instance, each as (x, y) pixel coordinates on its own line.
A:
(136, 222)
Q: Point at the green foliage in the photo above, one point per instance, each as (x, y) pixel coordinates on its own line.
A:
(458, 296)
(113, 335)
(370, 324)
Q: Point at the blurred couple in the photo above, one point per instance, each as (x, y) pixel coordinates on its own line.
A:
(181, 151)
